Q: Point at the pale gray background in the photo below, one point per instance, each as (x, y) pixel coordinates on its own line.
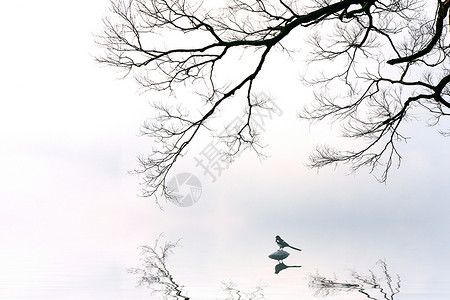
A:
(71, 221)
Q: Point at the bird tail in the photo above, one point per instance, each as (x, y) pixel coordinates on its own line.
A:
(295, 248)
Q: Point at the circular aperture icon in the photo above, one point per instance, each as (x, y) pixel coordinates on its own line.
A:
(185, 188)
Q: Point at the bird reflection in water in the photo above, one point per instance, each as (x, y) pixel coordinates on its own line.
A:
(379, 284)
(281, 266)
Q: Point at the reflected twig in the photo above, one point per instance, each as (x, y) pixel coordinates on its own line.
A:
(373, 286)
(235, 294)
(154, 273)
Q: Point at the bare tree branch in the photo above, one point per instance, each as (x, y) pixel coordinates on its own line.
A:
(375, 62)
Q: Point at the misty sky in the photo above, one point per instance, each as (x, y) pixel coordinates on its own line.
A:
(71, 220)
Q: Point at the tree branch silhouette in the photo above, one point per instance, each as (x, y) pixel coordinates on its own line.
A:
(388, 58)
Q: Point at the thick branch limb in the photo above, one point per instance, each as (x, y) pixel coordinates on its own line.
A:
(165, 43)
(441, 15)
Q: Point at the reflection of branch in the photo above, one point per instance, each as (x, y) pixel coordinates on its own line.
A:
(154, 272)
(327, 287)
(383, 285)
(236, 294)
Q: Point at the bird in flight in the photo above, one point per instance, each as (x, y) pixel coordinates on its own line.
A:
(281, 243)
